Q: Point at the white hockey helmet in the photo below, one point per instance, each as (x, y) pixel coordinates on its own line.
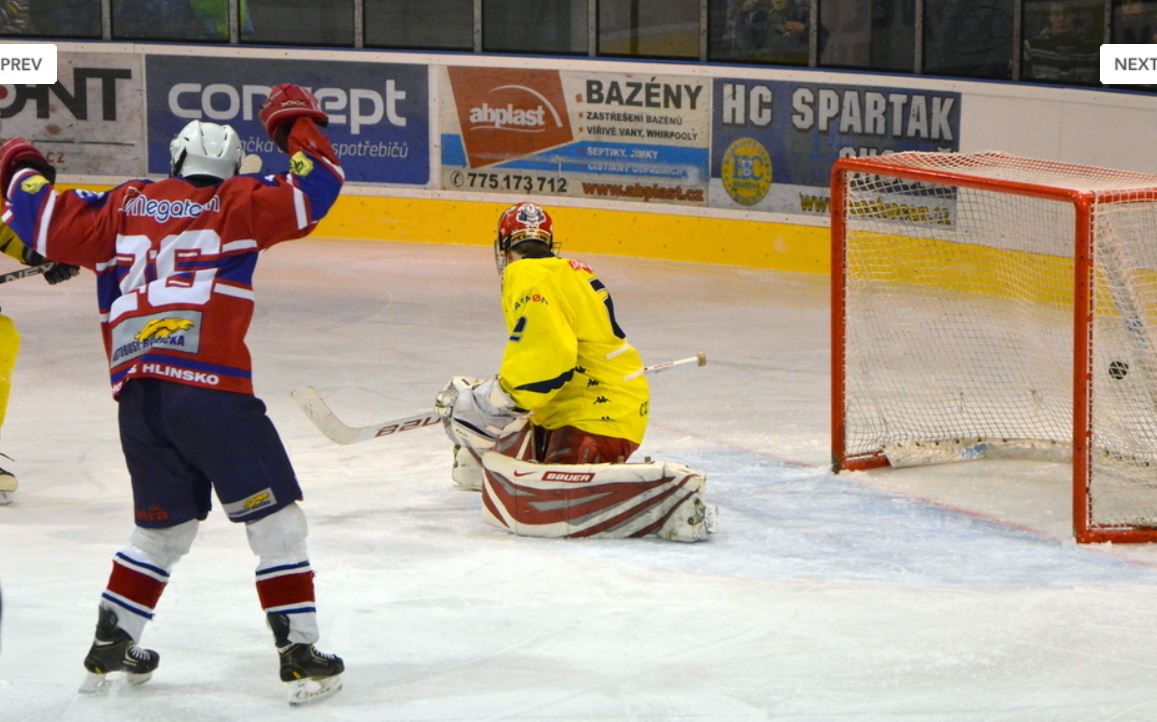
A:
(205, 149)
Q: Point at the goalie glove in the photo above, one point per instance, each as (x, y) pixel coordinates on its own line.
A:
(475, 411)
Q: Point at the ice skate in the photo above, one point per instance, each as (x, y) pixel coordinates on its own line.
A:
(312, 675)
(113, 650)
(8, 484)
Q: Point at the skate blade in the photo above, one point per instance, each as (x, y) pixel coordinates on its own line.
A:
(134, 679)
(305, 691)
(95, 683)
(100, 683)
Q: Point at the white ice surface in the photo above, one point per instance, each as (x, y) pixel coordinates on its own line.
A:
(947, 593)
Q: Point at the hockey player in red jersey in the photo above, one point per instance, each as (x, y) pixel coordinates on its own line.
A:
(547, 437)
(174, 261)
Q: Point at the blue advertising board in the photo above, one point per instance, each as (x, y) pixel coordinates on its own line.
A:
(378, 113)
(773, 143)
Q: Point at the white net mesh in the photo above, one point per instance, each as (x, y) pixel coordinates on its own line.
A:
(959, 319)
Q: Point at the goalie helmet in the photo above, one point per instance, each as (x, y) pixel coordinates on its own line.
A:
(518, 224)
(205, 149)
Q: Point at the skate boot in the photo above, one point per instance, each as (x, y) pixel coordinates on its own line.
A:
(312, 675)
(113, 650)
(8, 483)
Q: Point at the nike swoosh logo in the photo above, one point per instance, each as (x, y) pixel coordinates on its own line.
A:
(524, 473)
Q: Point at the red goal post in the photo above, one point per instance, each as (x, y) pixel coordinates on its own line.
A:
(990, 305)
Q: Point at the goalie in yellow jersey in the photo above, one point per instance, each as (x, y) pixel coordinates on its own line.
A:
(548, 438)
(10, 245)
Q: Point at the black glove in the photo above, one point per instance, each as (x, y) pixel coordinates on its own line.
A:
(57, 272)
(30, 257)
(53, 272)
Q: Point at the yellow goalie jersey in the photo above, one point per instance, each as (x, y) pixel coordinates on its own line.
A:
(567, 361)
(10, 243)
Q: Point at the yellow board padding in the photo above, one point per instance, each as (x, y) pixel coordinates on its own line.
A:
(729, 242)
(1035, 278)
(964, 267)
(755, 244)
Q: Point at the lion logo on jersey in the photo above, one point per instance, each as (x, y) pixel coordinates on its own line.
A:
(258, 500)
(163, 328)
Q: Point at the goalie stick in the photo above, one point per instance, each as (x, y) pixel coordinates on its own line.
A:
(339, 432)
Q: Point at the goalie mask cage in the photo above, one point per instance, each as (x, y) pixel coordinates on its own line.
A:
(990, 305)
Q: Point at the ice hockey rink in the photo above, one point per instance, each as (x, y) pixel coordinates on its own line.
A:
(946, 593)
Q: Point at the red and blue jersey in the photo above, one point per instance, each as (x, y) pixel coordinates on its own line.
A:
(174, 260)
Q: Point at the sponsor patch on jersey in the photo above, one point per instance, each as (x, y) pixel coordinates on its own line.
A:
(163, 328)
(300, 164)
(250, 504)
(163, 210)
(530, 298)
(33, 184)
(159, 370)
(178, 330)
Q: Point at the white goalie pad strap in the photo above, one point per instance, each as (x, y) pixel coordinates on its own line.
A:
(595, 500)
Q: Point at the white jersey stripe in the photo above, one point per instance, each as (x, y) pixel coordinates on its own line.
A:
(45, 218)
(619, 351)
(236, 291)
(245, 244)
(299, 207)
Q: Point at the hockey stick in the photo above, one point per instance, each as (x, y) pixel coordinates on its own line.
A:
(699, 359)
(25, 272)
(337, 431)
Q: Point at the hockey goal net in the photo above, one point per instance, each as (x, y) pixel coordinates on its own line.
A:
(991, 305)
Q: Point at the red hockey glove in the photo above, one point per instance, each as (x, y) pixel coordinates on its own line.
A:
(17, 154)
(286, 103)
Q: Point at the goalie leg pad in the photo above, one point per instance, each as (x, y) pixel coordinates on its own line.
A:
(613, 501)
(467, 471)
(469, 446)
